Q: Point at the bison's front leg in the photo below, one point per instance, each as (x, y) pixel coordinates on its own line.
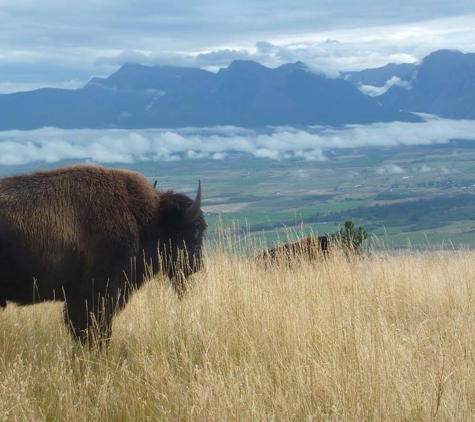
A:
(179, 283)
(90, 319)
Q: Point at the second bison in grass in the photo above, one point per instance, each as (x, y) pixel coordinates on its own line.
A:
(308, 248)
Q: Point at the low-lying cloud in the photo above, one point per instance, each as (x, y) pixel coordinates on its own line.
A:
(52, 145)
(390, 169)
(375, 91)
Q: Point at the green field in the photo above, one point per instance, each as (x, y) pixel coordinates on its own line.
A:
(402, 195)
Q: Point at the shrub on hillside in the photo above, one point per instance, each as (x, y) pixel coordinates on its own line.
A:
(350, 239)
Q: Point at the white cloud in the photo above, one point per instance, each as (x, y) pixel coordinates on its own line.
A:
(219, 156)
(425, 169)
(375, 91)
(311, 155)
(196, 155)
(328, 51)
(445, 170)
(267, 153)
(123, 146)
(390, 169)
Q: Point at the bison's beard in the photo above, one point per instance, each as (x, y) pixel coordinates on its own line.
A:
(179, 264)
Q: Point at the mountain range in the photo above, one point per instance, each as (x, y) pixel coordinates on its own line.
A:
(443, 84)
(248, 94)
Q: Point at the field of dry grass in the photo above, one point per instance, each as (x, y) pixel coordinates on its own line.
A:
(390, 337)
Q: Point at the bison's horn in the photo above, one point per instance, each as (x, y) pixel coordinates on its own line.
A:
(155, 184)
(195, 207)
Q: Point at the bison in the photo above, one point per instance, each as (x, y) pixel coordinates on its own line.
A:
(309, 248)
(90, 236)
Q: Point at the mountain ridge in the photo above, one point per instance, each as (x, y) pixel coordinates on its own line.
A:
(248, 94)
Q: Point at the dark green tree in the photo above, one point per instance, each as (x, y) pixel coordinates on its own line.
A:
(351, 240)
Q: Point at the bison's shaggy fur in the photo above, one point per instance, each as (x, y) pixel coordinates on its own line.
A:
(90, 236)
(308, 248)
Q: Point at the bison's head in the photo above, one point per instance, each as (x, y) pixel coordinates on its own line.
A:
(181, 227)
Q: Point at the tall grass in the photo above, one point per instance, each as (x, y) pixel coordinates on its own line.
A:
(391, 337)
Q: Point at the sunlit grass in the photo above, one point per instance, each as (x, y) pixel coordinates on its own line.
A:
(388, 337)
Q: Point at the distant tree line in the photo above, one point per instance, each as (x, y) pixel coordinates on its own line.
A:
(418, 214)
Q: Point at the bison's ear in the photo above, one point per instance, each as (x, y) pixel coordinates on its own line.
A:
(155, 184)
(195, 207)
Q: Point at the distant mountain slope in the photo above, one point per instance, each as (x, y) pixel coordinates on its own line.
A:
(89, 107)
(379, 76)
(443, 84)
(245, 94)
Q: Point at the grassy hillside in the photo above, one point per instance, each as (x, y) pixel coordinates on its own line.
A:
(390, 337)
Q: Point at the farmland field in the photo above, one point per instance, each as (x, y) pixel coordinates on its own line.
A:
(423, 195)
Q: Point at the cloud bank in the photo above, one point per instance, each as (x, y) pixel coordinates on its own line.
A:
(124, 146)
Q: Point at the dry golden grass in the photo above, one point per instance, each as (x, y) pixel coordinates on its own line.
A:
(381, 338)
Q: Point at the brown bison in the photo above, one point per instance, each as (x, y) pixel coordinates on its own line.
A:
(309, 248)
(89, 236)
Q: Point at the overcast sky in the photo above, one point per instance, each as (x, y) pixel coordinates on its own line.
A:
(64, 44)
